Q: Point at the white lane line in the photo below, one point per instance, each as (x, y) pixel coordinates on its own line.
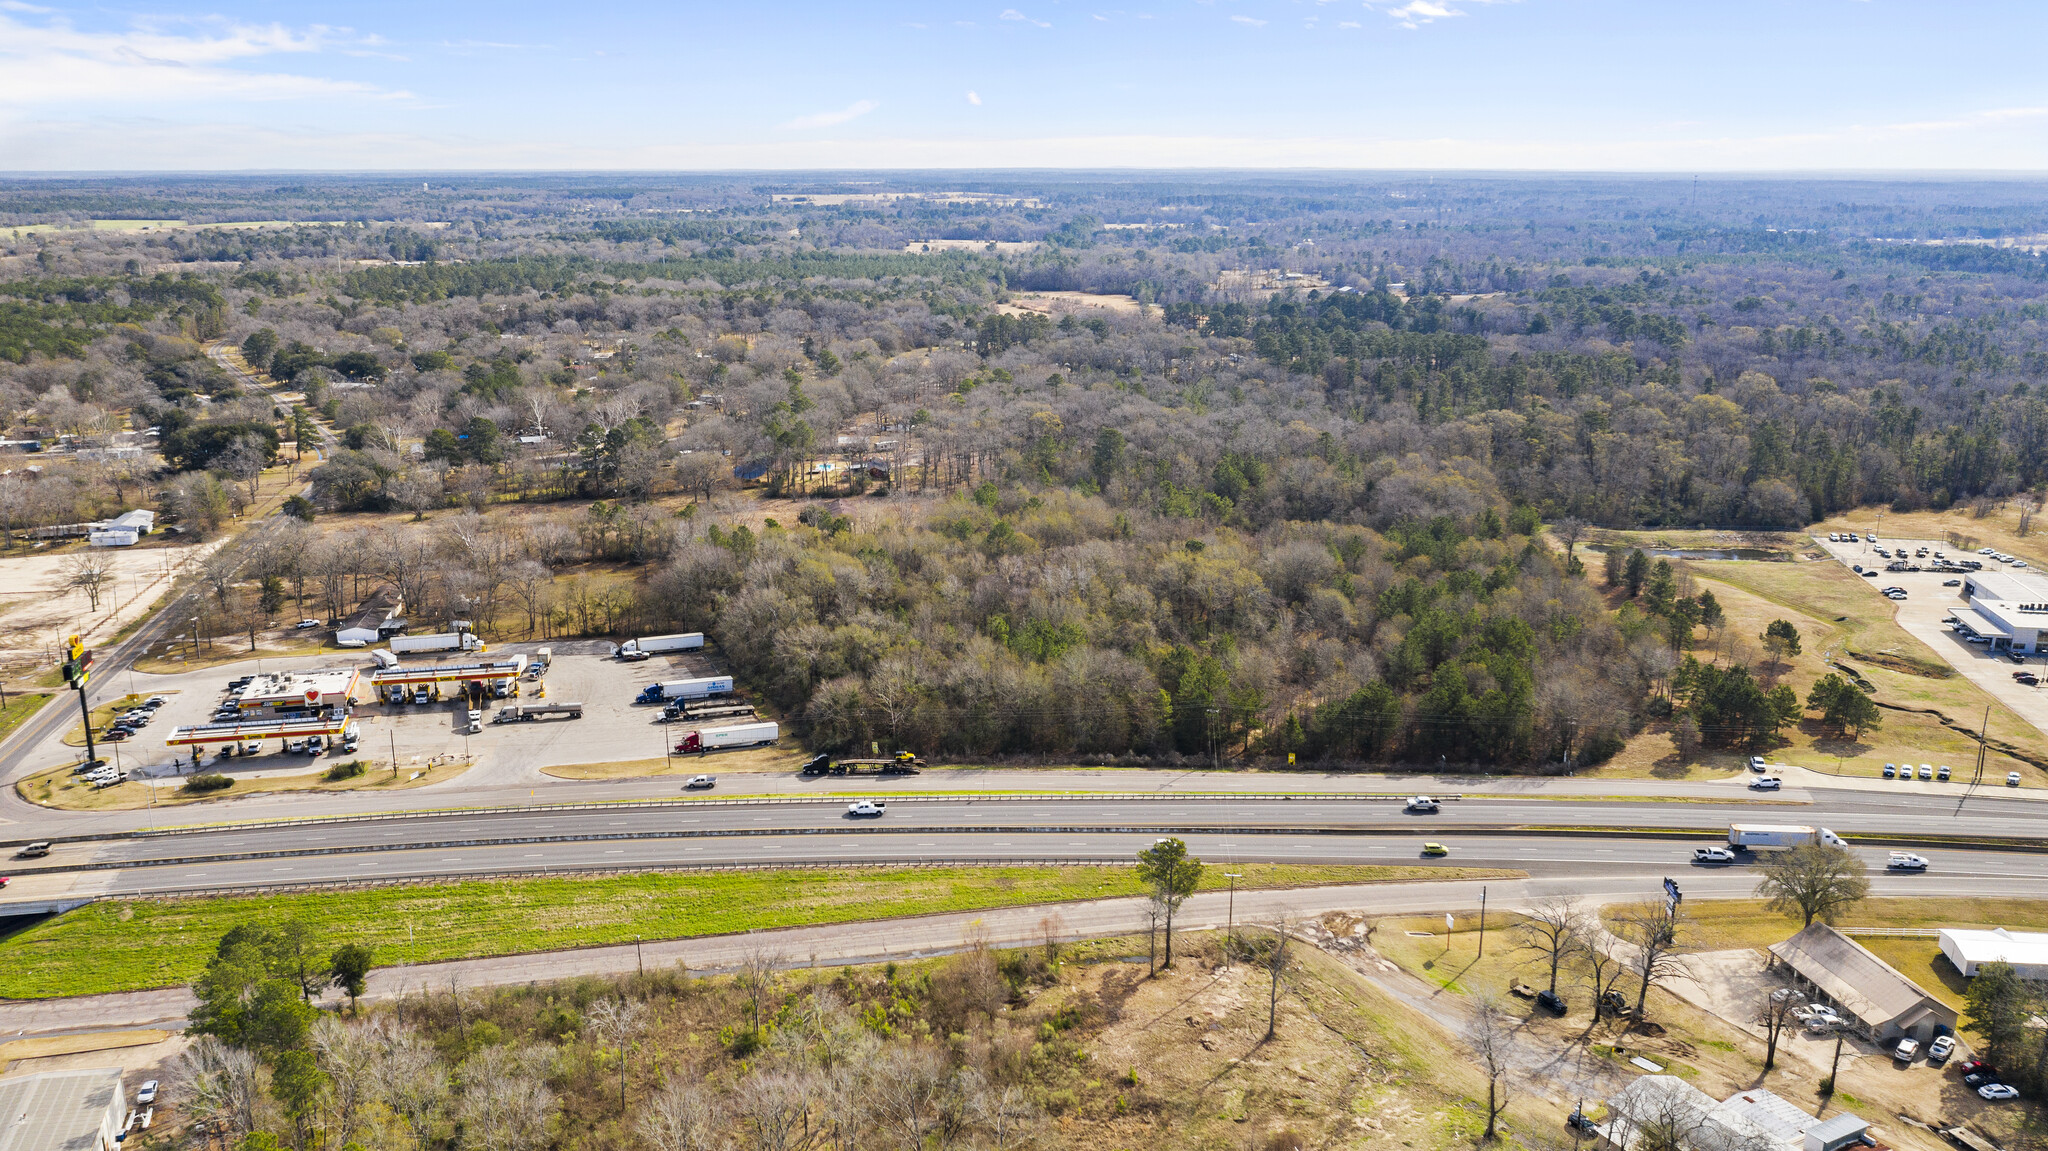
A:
(619, 851)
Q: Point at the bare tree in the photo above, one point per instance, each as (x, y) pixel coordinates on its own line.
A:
(683, 1117)
(412, 1082)
(1774, 1014)
(1604, 971)
(244, 462)
(615, 1023)
(1492, 1036)
(218, 1088)
(776, 1105)
(1652, 934)
(1006, 1113)
(1275, 959)
(218, 570)
(756, 978)
(1569, 530)
(1813, 880)
(89, 571)
(505, 1102)
(349, 1057)
(906, 1086)
(1550, 928)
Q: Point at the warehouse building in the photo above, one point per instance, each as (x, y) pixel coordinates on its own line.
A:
(1885, 1005)
(2008, 610)
(2027, 951)
(63, 1111)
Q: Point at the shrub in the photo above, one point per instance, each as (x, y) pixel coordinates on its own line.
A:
(207, 781)
(349, 770)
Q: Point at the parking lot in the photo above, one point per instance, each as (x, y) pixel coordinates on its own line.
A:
(612, 729)
(1929, 602)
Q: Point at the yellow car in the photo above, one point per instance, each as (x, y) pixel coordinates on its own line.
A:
(1435, 849)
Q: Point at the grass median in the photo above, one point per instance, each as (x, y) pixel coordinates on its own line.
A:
(128, 945)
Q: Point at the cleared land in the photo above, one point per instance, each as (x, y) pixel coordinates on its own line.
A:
(133, 944)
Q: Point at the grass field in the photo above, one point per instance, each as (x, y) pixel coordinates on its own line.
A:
(101, 716)
(20, 706)
(128, 945)
(58, 788)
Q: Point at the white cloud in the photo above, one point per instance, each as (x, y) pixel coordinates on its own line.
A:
(1251, 20)
(852, 111)
(1416, 13)
(1349, 24)
(150, 63)
(1013, 14)
(974, 98)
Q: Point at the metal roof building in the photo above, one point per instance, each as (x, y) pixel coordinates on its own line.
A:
(2027, 951)
(1664, 1110)
(1885, 1004)
(63, 1111)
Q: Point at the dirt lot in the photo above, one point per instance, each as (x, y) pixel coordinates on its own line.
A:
(1078, 303)
(35, 615)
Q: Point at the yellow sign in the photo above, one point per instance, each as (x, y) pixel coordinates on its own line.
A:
(77, 648)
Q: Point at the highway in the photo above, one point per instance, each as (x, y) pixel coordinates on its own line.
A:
(1488, 831)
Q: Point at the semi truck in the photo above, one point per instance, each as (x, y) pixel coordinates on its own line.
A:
(720, 738)
(685, 689)
(528, 712)
(687, 713)
(903, 763)
(1744, 836)
(439, 641)
(657, 644)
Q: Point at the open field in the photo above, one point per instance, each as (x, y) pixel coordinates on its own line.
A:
(126, 945)
(20, 706)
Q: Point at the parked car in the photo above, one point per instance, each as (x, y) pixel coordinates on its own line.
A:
(115, 736)
(1978, 1067)
(700, 782)
(1942, 772)
(1577, 1121)
(1951, 583)
(1942, 1047)
(1767, 783)
(154, 702)
(1756, 763)
(1435, 849)
(1997, 1091)
(2012, 779)
(1712, 855)
(1550, 1001)
(1926, 771)
(1890, 771)
(1980, 1078)
(146, 1095)
(1421, 803)
(1906, 1049)
(303, 624)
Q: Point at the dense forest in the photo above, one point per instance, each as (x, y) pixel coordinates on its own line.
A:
(1073, 466)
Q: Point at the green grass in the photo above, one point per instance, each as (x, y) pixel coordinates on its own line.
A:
(20, 706)
(127, 945)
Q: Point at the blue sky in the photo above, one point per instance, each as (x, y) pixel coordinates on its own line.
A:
(1661, 85)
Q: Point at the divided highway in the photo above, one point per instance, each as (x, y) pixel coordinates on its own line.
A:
(1480, 830)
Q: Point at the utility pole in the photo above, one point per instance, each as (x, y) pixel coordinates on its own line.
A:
(1230, 923)
(1482, 923)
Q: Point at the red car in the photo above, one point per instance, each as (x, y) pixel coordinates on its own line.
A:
(1978, 1067)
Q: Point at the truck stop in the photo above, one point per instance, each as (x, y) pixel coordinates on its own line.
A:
(436, 677)
(293, 690)
(331, 721)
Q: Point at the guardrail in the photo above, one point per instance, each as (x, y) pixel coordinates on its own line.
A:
(684, 803)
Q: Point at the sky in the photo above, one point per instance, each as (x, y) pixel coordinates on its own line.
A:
(1578, 85)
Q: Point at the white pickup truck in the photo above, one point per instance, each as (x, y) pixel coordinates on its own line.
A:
(864, 808)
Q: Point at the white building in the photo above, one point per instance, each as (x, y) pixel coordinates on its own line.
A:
(2009, 609)
(85, 1110)
(2027, 951)
(298, 690)
(1664, 1110)
(121, 531)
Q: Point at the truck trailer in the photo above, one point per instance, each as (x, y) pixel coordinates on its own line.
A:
(439, 641)
(657, 644)
(685, 689)
(1744, 836)
(720, 738)
(529, 712)
(904, 763)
